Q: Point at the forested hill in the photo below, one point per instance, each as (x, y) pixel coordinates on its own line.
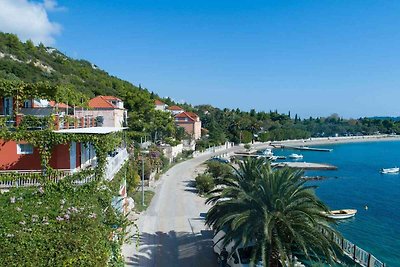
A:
(29, 63)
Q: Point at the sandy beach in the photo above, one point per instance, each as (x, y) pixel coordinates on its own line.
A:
(338, 140)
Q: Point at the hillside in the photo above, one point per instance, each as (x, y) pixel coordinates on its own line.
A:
(30, 63)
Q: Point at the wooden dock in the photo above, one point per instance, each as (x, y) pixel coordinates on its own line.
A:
(304, 165)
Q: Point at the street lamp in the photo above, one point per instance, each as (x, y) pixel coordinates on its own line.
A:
(143, 152)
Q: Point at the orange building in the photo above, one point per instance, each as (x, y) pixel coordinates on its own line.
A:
(108, 110)
(190, 122)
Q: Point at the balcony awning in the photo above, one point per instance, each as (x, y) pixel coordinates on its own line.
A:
(92, 130)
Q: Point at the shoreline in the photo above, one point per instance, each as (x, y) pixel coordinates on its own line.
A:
(337, 140)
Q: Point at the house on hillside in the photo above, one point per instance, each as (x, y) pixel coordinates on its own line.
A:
(190, 122)
(22, 157)
(160, 105)
(108, 111)
(175, 110)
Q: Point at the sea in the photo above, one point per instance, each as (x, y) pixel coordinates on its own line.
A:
(358, 184)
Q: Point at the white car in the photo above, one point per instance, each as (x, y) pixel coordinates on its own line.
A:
(242, 254)
(239, 258)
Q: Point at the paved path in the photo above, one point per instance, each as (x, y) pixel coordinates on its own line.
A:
(172, 230)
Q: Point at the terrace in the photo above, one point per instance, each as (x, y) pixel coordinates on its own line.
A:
(27, 178)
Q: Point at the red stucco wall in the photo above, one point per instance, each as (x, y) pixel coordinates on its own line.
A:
(60, 157)
(10, 160)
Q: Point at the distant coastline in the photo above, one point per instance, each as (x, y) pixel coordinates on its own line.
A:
(338, 140)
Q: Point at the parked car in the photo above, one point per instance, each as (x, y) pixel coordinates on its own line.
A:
(240, 257)
(222, 160)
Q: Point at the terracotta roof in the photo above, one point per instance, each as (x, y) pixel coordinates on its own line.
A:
(60, 105)
(192, 114)
(187, 115)
(175, 108)
(110, 97)
(101, 102)
(158, 102)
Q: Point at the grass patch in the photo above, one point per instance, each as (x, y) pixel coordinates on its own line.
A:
(137, 197)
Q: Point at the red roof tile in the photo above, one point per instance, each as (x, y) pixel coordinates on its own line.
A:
(175, 108)
(110, 97)
(60, 105)
(192, 114)
(101, 102)
(187, 115)
(158, 102)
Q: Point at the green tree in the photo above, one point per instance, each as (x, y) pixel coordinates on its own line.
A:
(274, 210)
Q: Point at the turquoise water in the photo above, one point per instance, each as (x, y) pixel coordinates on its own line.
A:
(358, 183)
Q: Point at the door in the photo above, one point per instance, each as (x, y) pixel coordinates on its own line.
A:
(72, 156)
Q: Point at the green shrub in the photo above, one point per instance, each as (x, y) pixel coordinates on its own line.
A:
(204, 183)
(218, 170)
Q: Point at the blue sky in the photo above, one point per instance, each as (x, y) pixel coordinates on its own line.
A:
(309, 57)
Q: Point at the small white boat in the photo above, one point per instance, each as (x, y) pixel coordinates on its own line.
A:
(273, 158)
(390, 170)
(341, 214)
(295, 156)
(266, 152)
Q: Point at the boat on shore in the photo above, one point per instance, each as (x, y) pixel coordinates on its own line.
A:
(295, 156)
(341, 214)
(390, 170)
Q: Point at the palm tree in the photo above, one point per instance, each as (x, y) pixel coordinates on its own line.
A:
(273, 210)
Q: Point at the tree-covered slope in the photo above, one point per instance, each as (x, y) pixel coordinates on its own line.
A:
(30, 63)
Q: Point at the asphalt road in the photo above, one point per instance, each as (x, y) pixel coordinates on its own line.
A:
(172, 230)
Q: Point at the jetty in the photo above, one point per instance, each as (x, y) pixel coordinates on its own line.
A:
(304, 165)
(314, 178)
(306, 148)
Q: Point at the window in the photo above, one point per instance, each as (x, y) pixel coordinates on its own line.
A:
(24, 149)
(27, 104)
(7, 106)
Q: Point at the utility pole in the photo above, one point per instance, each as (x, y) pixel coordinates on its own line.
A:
(142, 179)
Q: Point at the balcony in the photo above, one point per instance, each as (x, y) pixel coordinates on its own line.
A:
(39, 119)
(114, 164)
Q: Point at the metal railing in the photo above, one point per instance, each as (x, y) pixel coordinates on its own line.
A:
(26, 179)
(115, 163)
(213, 149)
(356, 254)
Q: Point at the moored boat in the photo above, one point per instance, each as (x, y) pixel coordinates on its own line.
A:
(342, 214)
(390, 170)
(265, 152)
(295, 156)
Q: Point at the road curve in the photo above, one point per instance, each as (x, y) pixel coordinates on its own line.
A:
(172, 230)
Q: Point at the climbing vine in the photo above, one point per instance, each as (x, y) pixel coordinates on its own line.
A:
(46, 140)
(41, 90)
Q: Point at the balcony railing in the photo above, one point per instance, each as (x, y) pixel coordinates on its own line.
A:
(115, 163)
(37, 120)
(26, 177)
